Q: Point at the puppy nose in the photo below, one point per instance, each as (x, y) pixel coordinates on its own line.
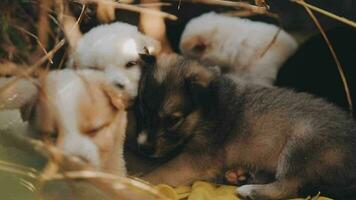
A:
(146, 149)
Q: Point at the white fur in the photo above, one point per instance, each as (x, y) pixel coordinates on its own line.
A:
(238, 43)
(245, 191)
(110, 47)
(59, 107)
(142, 138)
(64, 89)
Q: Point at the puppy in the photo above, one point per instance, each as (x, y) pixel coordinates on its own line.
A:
(223, 122)
(80, 112)
(240, 46)
(114, 48)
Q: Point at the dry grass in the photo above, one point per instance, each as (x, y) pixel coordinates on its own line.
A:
(46, 37)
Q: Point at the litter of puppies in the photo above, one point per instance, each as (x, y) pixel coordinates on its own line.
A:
(215, 113)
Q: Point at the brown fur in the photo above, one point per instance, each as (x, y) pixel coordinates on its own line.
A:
(100, 114)
(299, 139)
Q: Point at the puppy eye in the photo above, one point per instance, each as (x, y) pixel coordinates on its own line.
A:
(119, 85)
(93, 131)
(174, 121)
(51, 136)
(94, 68)
(199, 48)
(131, 64)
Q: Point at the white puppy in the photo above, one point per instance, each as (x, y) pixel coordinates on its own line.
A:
(238, 46)
(80, 111)
(114, 48)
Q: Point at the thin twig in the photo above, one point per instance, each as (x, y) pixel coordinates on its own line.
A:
(271, 43)
(129, 7)
(37, 40)
(336, 59)
(28, 72)
(154, 4)
(326, 13)
(243, 5)
(86, 171)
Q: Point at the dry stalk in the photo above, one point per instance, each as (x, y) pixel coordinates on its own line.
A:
(110, 183)
(262, 3)
(326, 13)
(74, 168)
(133, 8)
(336, 59)
(43, 27)
(38, 40)
(33, 68)
(155, 27)
(154, 4)
(271, 43)
(105, 12)
(242, 5)
(70, 27)
(68, 23)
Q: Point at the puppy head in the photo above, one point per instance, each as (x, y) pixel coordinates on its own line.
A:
(174, 94)
(115, 49)
(84, 116)
(202, 37)
(238, 45)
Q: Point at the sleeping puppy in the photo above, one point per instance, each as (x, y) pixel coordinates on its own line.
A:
(240, 46)
(80, 112)
(114, 48)
(223, 122)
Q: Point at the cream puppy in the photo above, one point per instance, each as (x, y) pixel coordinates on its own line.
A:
(81, 113)
(114, 48)
(238, 46)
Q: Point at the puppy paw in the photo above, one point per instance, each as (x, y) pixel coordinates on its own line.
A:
(247, 192)
(237, 176)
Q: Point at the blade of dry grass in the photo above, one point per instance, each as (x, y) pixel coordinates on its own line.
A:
(234, 4)
(19, 169)
(262, 3)
(41, 46)
(43, 26)
(105, 13)
(154, 4)
(32, 69)
(271, 43)
(129, 7)
(326, 13)
(84, 171)
(74, 168)
(155, 27)
(68, 23)
(336, 59)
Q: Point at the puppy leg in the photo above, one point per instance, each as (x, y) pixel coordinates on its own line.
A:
(181, 170)
(280, 189)
(240, 176)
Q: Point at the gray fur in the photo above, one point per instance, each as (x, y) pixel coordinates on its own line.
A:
(303, 140)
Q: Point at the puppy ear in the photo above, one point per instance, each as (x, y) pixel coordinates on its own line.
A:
(197, 82)
(147, 58)
(199, 75)
(117, 98)
(196, 45)
(153, 46)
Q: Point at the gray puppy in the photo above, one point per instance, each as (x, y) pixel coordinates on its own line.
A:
(304, 141)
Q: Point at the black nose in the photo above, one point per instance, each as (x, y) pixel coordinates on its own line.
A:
(146, 149)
